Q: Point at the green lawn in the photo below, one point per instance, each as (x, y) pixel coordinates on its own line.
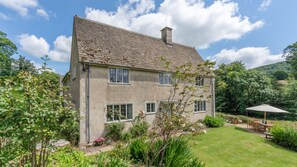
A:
(232, 146)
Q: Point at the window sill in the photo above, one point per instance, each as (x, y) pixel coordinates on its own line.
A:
(128, 120)
(199, 112)
(118, 83)
(150, 113)
(165, 85)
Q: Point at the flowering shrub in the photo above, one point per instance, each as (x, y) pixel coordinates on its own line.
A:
(99, 141)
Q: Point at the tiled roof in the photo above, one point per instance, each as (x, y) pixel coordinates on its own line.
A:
(108, 45)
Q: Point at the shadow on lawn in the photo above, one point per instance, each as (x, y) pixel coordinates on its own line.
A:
(242, 129)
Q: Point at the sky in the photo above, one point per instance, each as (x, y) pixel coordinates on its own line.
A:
(252, 31)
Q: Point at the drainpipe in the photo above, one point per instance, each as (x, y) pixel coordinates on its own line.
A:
(86, 67)
(213, 97)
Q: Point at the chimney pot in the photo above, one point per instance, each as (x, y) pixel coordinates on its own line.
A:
(166, 35)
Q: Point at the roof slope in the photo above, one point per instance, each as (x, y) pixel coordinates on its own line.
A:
(107, 45)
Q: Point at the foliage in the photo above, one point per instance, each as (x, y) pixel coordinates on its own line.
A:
(32, 113)
(280, 75)
(139, 150)
(67, 156)
(285, 135)
(7, 49)
(176, 153)
(139, 127)
(99, 141)
(272, 68)
(213, 121)
(238, 88)
(243, 118)
(104, 160)
(121, 151)
(290, 53)
(232, 146)
(126, 136)
(115, 130)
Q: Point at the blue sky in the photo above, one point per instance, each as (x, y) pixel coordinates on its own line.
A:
(253, 31)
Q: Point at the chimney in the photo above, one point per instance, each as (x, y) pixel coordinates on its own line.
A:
(166, 35)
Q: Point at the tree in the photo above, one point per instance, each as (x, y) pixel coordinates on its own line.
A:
(23, 64)
(290, 53)
(32, 115)
(7, 49)
(280, 75)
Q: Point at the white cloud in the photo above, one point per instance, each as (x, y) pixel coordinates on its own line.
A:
(4, 16)
(264, 5)
(251, 56)
(38, 47)
(22, 7)
(192, 21)
(42, 13)
(62, 48)
(34, 46)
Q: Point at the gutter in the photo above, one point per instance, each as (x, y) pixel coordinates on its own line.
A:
(86, 67)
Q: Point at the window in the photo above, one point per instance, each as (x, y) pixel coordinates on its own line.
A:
(199, 106)
(118, 75)
(165, 78)
(150, 107)
(199, 81)
(119, 112)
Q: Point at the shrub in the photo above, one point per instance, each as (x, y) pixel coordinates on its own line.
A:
(139, 128)
(105, 160)
(285, 135)
(126, 136)
(67, 156)
(139, 150)
(121, 151)
(99, 141)
(245, 119)
(177, 153)
(213, 121)
(115, 130)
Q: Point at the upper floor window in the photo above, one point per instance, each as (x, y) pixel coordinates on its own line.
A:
(165, 79)
(199, 81)
(118, 75)
(199, 106)
(150, 107)
(119, 112)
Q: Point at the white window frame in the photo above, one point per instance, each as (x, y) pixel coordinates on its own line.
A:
(150, 102)
(120, 120)
(163, 77)
(200, 106)
(121, 83)
(199, 81)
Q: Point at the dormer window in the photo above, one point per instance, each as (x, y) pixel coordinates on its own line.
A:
(118, 75)
(199, 81)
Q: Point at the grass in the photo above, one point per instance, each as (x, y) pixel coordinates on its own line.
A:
(232, 146)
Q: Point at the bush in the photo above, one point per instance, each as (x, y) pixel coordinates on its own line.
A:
(67, 156)
(105, 160)
(177, 153)
(213, 121)
(139, 128)
(285, 135)
(99, 141)
(139, 150)
(115, 130)
(245, 119)
(126, 136)
(121, 151)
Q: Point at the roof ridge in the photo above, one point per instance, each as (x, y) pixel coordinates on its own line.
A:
(130, 31)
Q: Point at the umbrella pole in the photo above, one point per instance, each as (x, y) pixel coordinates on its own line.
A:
(264, 117)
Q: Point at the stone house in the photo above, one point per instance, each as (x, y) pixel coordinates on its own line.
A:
(116, 69)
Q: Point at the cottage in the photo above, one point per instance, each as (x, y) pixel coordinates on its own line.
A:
(115, 69)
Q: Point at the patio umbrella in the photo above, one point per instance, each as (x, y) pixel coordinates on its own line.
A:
(266, 108)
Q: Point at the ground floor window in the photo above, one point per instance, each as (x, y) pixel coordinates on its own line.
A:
(200, 106)
(119, 112)
(150, 107)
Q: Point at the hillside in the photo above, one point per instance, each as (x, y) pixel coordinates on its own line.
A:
(271, 68)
